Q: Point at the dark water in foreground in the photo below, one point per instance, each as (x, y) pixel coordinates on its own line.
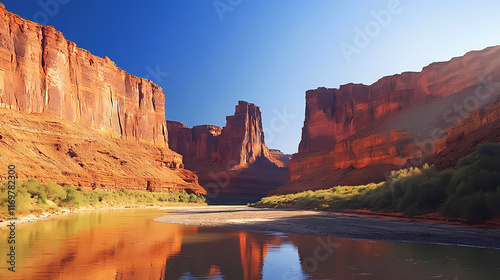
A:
(128, 244)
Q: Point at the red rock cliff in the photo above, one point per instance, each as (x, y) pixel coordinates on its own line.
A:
(356, 133)
(240, 142)
(243, 136)
(233, 159)
(42, 72)
(74, 118)
(197, 143)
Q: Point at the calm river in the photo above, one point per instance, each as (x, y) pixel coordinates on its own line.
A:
(128, 244)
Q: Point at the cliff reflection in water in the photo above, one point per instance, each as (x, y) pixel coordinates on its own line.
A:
(128, 244)
(108, 244)
(233, 253)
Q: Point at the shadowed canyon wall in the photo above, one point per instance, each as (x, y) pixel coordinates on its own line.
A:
(231, 160)
(74, 118)
(357, 133)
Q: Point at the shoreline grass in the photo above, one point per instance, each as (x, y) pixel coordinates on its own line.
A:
(35, 198)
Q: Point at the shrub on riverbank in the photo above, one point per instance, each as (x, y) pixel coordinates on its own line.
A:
(321, 199)
(471, 191)
(36, 198)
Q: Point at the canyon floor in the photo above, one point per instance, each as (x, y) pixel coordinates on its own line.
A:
(333, 224)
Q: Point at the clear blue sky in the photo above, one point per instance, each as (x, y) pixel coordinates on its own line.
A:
(268, 52)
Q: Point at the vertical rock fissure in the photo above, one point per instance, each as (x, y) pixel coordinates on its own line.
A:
(141, 93)
(164, 132)
(43, 86)
(119, 118)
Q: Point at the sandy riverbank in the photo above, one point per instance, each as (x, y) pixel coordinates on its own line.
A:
(334, 224)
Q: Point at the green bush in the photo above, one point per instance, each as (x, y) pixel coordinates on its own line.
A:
(31, 186)
(492, 201)
(42, 197)
(23, 203)
(93, 198)
(471, 207)
(73, 198)
(55, 192)
(183, 196)
(35, 190)
(124, 191)
(193, 198)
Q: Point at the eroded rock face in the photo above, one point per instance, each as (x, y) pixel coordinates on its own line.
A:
(277, 154)
(462, 138)
(243, 136)
(76, 119)
(42, 72)
(332, 115)
(50, 148)
(357, 133)
(233, 159)
(240, 142)
(197, 143)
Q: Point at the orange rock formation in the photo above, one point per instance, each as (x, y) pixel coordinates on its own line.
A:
(357, 133)
(75, 118)
(233, 159)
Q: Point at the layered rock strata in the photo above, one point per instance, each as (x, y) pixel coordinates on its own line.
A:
(230, 160)
(81, 119)
(357, 133)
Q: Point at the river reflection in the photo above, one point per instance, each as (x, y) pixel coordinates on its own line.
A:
(128, 244)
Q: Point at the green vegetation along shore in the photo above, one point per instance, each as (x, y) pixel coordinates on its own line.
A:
(35, 198)
(470, 191)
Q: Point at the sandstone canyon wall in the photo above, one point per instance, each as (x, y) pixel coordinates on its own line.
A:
(42, 72)
(231, 160)
(357, 133)
(53, 93)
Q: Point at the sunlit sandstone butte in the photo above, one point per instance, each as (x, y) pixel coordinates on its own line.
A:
(234, 159)
(357, 133)
(74, 118)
